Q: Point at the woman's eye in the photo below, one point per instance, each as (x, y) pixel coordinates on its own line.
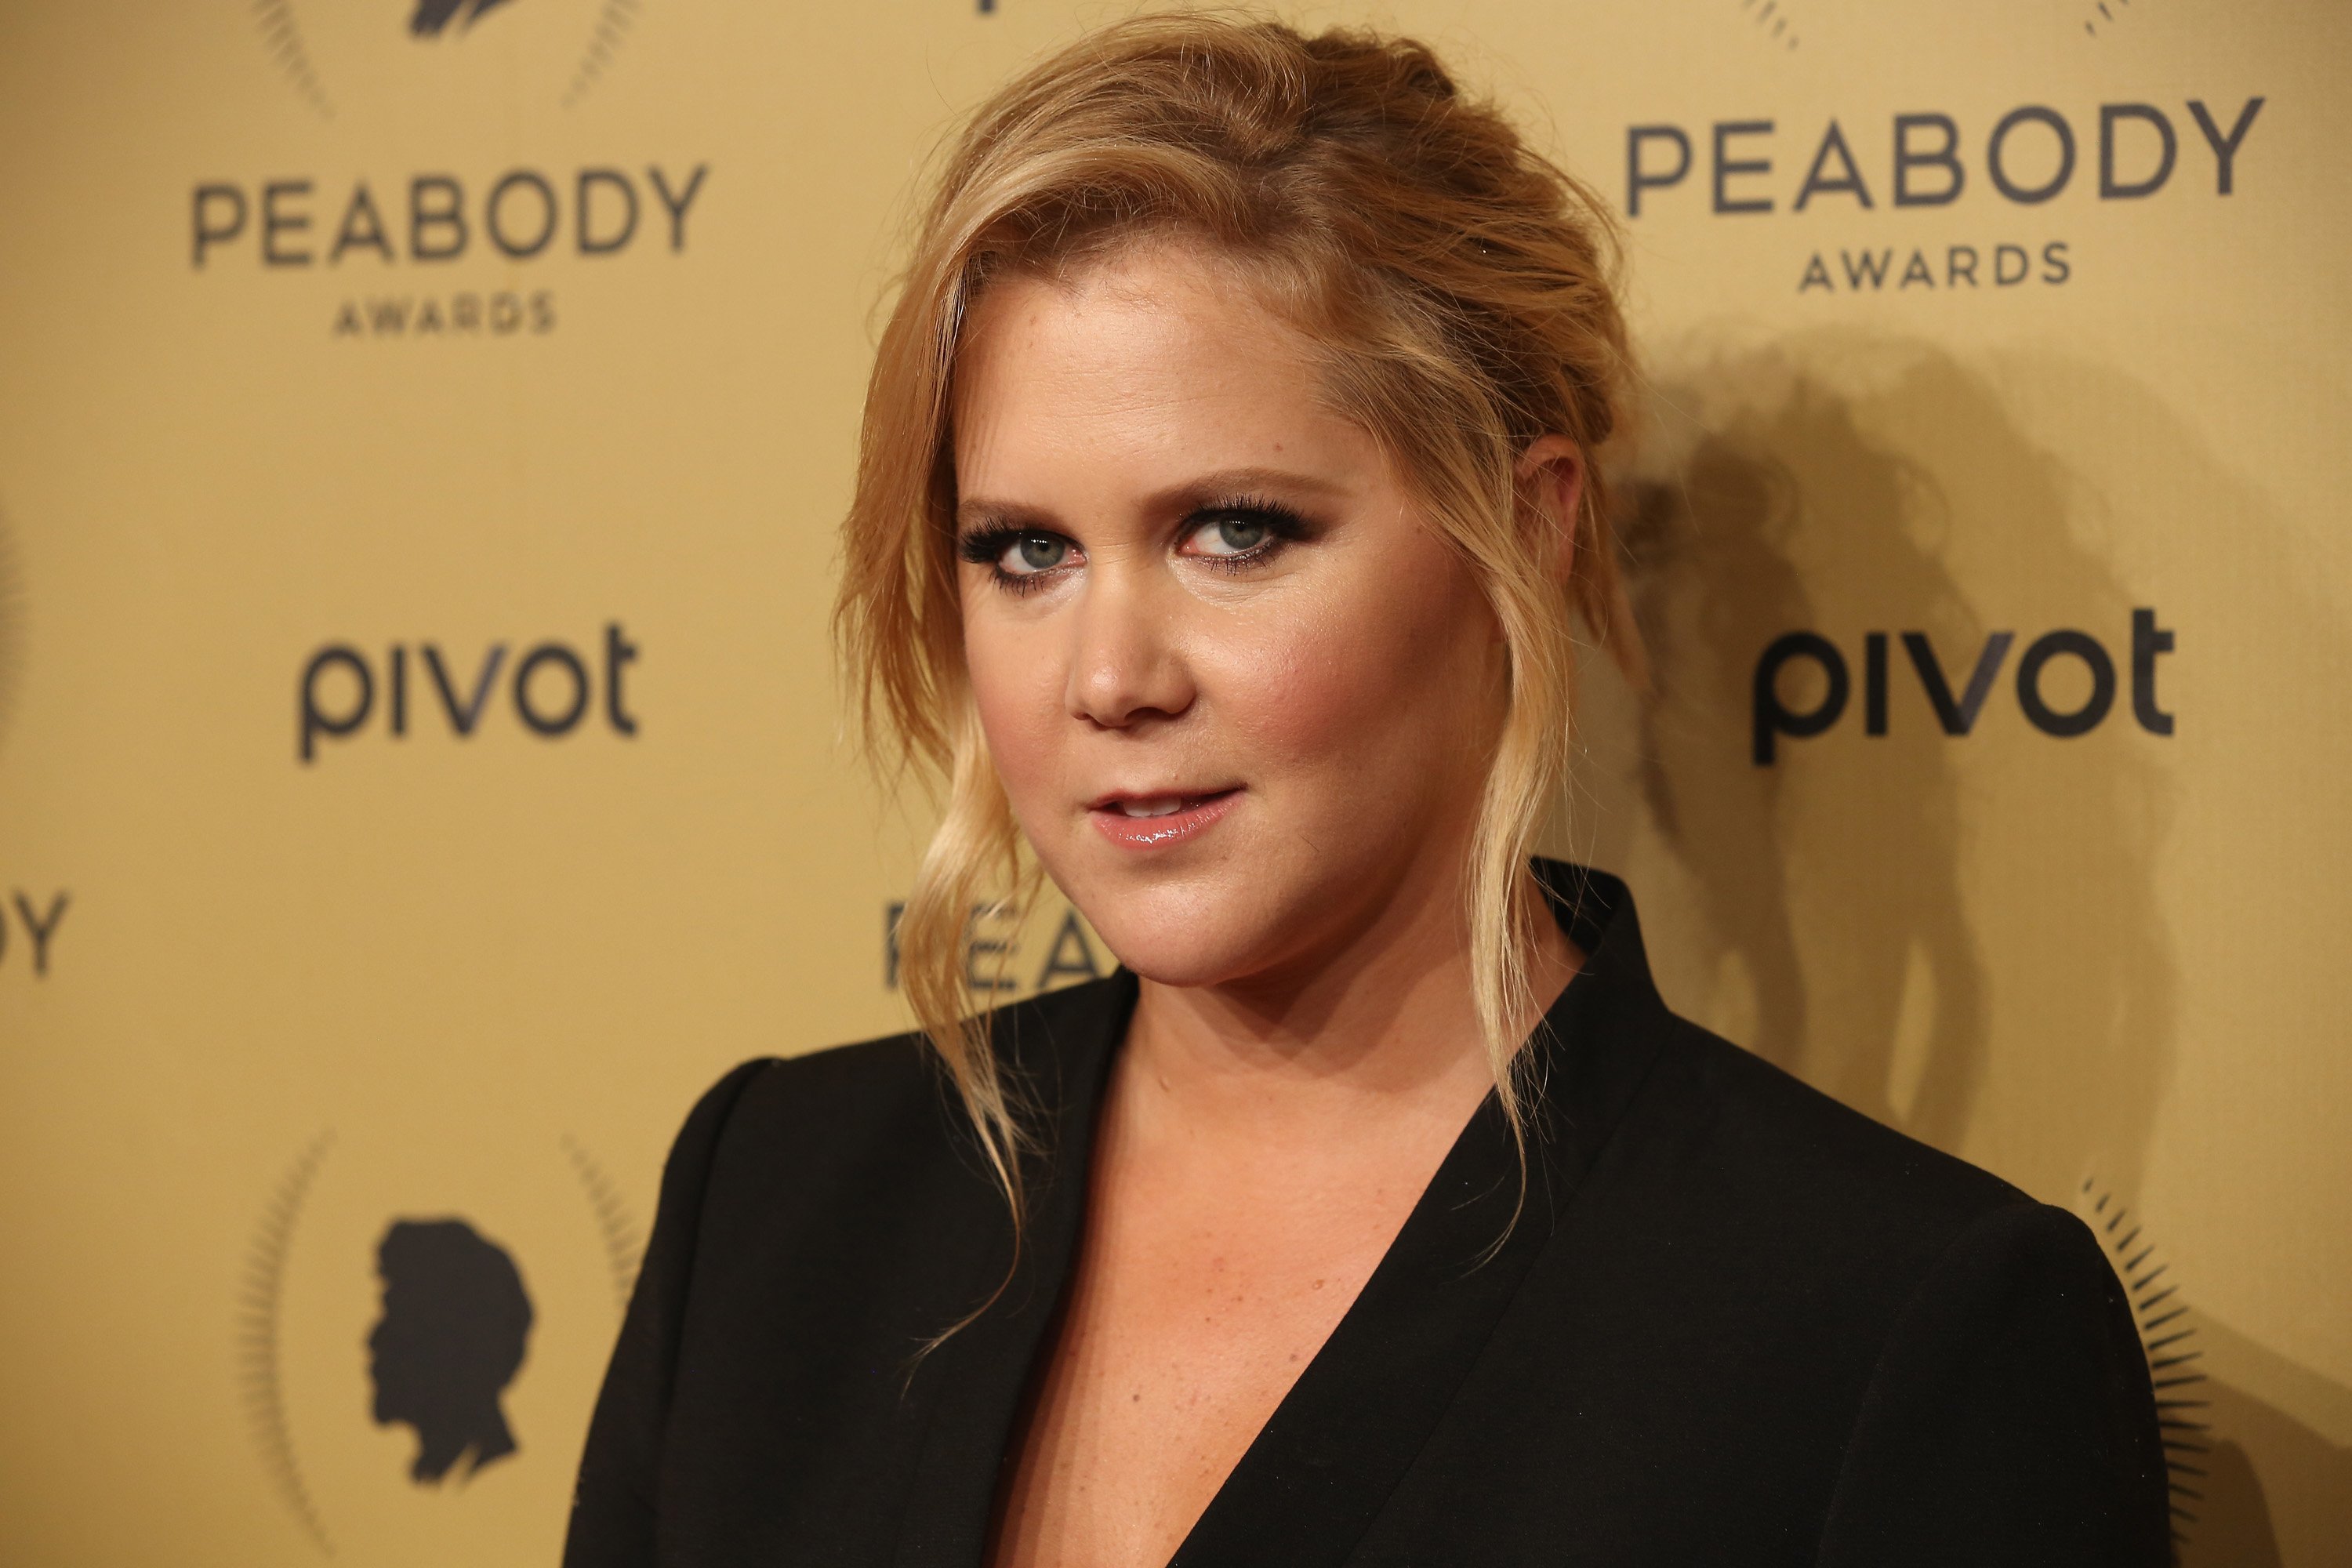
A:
(1231, 535)
(1027, 554)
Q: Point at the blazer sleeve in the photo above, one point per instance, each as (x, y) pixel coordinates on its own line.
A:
(2009, 1419)
(614, 1511)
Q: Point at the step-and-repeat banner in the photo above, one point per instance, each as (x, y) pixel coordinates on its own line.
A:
(422, 425)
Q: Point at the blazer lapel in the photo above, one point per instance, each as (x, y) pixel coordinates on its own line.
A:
(1319, 1470)
(1316, 1474)
(976, 1379)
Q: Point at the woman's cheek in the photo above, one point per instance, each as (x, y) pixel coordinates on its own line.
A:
(1019, 698)
(1304, 695)
(1378, 691)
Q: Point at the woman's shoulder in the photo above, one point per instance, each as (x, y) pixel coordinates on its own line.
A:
(1770, 1113)
(1830, 1183)
(887, 1099)
(1689, 1121)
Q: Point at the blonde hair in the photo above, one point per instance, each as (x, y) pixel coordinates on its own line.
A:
(1458, 288)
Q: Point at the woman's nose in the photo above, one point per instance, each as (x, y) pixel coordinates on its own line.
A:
(1127, 666)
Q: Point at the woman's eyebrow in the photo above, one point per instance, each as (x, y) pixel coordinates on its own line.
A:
(978, 514)
(1225, 484)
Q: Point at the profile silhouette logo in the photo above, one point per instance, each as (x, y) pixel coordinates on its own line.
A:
(433, 17)
(455, 1323)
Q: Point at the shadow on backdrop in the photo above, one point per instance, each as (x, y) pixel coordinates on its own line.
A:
(455, 1325)
(1834, 922)
(2271, 1489)
(1844, 483)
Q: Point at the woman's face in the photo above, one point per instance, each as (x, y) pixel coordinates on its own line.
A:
(1238, 692)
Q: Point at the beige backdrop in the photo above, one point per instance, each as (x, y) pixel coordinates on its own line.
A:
(260, 430)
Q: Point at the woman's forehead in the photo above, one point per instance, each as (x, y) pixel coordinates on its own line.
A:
(1139, 382)
(1164, 333)
(1163, 291)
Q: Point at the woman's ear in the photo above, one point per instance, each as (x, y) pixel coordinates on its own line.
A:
(1548, 481)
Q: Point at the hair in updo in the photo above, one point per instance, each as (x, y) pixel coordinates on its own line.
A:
(1458, 288)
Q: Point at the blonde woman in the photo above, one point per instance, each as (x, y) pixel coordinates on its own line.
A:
(1227, 503)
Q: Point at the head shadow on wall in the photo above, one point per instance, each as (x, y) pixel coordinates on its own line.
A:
(1822, 908)
(1842, 485)
(453, 1334)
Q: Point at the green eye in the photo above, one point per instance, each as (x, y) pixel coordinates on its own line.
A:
(1033, 553)
(1233, 536)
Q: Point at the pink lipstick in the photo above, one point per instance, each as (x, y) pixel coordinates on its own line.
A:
(1152, 822)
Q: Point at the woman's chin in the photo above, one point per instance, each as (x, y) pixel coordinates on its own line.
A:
(1196, 951)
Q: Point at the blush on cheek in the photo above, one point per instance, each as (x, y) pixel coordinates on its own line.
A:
(1305, 699)
(1017, 692)
(1398, 662)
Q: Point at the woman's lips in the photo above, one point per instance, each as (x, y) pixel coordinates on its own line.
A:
(1148, 822)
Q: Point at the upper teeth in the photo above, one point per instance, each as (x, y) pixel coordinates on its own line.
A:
(1160, 806)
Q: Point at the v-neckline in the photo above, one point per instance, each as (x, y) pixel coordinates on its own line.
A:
(1314, 1477)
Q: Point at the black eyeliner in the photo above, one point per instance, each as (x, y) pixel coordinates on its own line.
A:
(1284, 526)
(1283, 521)
(985, 546)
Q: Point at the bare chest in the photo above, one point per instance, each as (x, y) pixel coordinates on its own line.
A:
(1192, 1314)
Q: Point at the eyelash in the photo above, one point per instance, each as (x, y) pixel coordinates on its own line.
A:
(1284, 526)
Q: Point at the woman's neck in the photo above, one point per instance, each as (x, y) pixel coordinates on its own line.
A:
(1381, 1022)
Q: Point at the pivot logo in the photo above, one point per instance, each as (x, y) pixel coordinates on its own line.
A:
(1957, 698)
(550, 692)
(434, 17)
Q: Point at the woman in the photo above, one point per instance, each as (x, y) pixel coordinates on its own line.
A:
(1227, 494)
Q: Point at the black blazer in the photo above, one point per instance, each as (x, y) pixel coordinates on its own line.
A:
(1735, 1323)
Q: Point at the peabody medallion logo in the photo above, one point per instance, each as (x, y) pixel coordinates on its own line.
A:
(433, 17)
(2167, 1335)
(339, 56)
(455, 1323)
(422, 1328)
(433, 250)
